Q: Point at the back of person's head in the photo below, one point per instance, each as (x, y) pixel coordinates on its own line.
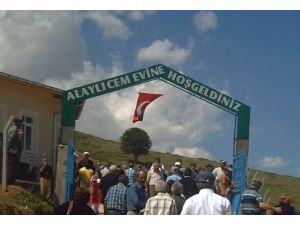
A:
(177, 188)
(130, 165)
(160, 187)
(256, 184)
(205, 179)
(187, 172)
(113, 169)
(175, 170)
(209, 167)
(169, 186)
(81, 195)
(123, 179)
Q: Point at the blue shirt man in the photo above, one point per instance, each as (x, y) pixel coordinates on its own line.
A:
(136, 195)
(131, 174)
(175, 175)
(251, 200)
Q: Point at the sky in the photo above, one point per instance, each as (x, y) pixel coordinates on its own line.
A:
(253, 56)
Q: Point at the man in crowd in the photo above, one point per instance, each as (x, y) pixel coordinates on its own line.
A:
(131, 174)
(116, 198)
(206, 202)
(154, 175)
(15, 142)
(284, 206)
(86, 162)
(178, 164)
(193, 168)
(217, 172)
(251, 200)
(162, 203)
(189, 185)
(136, 194)
(175, 176)
(177, 194)
(46, 176)
(105, 170)
(209, 167)
(85, 170)
(226, 185)
(108, 181)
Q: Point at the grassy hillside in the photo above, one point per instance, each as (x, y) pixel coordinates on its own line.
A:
(18, 201)
(106, 150)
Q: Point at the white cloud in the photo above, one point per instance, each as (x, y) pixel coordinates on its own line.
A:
(140, 15)
(273, 162)
(49, 47)
(193, 152)
(205, 21)
(163, 51)
(110, 24)
(167, 120)
(41, 44)
(88, 74)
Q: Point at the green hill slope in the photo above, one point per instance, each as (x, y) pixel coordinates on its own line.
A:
(19, 201)
(106, 150)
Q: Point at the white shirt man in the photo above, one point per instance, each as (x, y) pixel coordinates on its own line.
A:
(217, 172)
(206, 202)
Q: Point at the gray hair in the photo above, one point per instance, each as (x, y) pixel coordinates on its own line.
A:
(113, 168)
(256, 184)
(160, 187)
(177, 188)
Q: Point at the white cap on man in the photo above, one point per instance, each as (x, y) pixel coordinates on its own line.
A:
(177, 164)
(86, 153)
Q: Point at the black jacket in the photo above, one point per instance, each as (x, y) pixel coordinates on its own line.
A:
(78, 209)
(189, 187)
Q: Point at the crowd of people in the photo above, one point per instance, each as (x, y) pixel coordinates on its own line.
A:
(136, 190)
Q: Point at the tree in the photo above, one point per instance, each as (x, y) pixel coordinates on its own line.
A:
(135, 141)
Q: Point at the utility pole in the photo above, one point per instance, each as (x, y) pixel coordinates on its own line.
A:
(4, 155)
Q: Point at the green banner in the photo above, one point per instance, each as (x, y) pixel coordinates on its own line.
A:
(203, 91)
(73, 96)
(114, 84)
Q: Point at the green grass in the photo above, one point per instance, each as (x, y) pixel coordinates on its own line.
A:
(102, 151)
(18, 201)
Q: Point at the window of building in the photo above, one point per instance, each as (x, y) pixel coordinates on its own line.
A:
(27, 127)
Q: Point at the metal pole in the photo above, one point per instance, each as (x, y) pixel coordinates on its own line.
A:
(4, 156)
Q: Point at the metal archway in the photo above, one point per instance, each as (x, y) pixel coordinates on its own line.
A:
(241, 111)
